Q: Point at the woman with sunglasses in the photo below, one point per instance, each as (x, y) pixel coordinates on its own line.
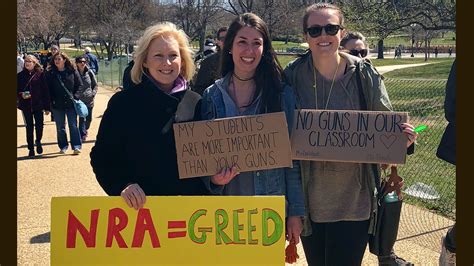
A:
(86, 93)
(339, 196)
(355, 44)
(33, 100)
(252, 84)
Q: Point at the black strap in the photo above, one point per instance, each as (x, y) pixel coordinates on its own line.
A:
(28, 83)
(185, 110)
(364, 106)
(64, 87)
(363, 102)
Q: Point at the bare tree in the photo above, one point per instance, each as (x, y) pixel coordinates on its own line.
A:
(111, 22)
(194, 17)
(41, 21)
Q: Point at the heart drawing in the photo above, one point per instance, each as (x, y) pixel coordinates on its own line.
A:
(388, 141)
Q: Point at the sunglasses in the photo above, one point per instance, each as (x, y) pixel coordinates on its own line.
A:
(362, 52)
(330, 29)
(82, 61)
(221, 38)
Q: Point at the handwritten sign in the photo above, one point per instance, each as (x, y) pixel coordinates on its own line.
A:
(249, 142)
(349, 136)
(181, 230)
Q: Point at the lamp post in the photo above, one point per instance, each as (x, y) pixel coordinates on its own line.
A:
(412, 38)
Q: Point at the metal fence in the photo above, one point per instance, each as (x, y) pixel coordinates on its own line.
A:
(111, 72)
(430, 183)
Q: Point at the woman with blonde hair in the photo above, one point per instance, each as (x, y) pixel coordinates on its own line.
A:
(33, 100)
(134, 154)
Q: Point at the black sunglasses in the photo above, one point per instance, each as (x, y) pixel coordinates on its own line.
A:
(221, 38)
(330, 29)
(362, 52)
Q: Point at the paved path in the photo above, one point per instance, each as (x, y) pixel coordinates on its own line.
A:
(55, 174)
(385, 69)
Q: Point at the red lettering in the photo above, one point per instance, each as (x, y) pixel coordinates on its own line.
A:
(74, 225)
(144, 223)
(113, 229)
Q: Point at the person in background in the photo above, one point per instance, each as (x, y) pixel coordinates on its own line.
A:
(86, 93)
(209, 70)
(355, 44)
(33, 100)
(252, 84)
(340, 197)
(135, 155)
(91, 60)
(53, 49)
(436, 52)
(127, 79)
(447, 152)
(20, 62)
(63, 76)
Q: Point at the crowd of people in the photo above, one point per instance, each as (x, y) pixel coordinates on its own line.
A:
(330, 206)
(49, 87)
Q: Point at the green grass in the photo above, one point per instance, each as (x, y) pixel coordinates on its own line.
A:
(424, 99)
(405, 40)
(280, 45)
(439, 70)
(285, 59)
(407, 60)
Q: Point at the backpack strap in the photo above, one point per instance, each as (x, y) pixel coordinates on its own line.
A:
(364, 106)
(186, 107)
(185, 110)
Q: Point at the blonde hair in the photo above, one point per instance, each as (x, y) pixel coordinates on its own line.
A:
(37, 65)
(164, 30)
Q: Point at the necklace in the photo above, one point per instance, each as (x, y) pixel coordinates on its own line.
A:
(330, 89)
(242, 79)
(234, 95)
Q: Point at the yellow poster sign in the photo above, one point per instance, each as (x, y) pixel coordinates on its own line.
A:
(197, 230)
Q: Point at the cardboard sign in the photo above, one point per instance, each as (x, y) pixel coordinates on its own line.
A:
(349, 136)
(178, 230)
(250, 143)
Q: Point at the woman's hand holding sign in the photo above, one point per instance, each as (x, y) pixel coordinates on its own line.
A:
(225, 176)
(134, 196)
(411, 133)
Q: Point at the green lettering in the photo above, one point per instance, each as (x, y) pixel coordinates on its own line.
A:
(251, 228)
(237, 227)
(269, 214)
(202, 230)
(220, 226)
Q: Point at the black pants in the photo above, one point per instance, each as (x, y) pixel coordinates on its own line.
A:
(85, 123)
(450, 240)
(33, 120)
(338, 243)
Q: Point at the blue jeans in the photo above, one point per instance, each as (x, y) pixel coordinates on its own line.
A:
(85, 123)
(60, 119)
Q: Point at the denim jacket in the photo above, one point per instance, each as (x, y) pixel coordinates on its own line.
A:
(281, 181)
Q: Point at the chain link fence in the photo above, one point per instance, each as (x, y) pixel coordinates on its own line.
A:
(111, 72)
(430, 183)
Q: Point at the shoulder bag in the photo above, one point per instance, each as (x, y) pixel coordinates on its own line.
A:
(79, 106)
(388, 212)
